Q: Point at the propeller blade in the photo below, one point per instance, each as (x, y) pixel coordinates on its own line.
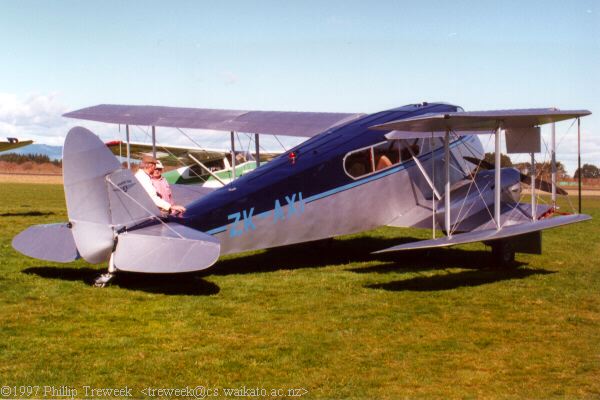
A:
(483, 164)
(542, 185)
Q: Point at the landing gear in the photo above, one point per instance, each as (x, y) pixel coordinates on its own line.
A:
(105, 279)
(503, 253)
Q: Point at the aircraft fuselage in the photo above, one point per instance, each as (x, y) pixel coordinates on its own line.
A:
(311, 192)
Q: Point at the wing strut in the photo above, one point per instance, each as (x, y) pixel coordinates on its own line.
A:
(579, 160)
(553, 164)
(154, 141)
(447, 185)
(497, 172)
(533, 198)
(232, 156)
(257, 150)
(424, 173)
(128, 148)
(204, 167)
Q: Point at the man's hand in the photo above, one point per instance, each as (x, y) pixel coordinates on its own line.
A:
(177, 210)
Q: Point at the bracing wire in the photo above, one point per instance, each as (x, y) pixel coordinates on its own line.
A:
(281, 144)
(150, 213)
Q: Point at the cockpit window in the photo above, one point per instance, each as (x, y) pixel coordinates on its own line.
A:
(359, 163)
(378, 157)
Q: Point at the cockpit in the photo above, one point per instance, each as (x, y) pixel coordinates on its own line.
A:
(381, 156)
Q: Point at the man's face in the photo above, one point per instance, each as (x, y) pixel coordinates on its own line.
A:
(150, 167)
(157, 172)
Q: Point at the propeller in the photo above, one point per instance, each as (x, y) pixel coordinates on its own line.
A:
(540, 184)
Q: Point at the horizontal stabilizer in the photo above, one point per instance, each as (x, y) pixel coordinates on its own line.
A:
(490, 234)
(165, 248)
(51, 242)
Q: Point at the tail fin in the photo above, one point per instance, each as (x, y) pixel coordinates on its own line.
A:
(101, 196)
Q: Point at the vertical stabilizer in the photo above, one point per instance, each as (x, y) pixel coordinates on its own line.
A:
(101, 196)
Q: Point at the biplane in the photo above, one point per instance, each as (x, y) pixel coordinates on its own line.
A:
(414, 166)
(13, 143)
(193, 164)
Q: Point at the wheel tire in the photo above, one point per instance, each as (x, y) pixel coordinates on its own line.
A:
(503, 254)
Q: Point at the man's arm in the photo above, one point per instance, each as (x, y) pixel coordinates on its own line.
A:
(146, 183)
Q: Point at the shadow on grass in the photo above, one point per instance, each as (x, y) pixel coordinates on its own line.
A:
(189, 284)
(458, 279)
(335, 251)
(27, 214)
(174, 284)
(307, 255)
(432, 259)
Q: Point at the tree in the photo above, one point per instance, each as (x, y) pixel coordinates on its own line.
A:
(505, 160)
(543, 170)
(588, 171)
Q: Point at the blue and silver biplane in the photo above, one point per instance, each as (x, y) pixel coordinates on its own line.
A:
(418, 165)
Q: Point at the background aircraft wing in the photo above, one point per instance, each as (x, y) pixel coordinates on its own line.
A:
(304, 124)
(14, 144)
(176, 155)
(168, 155)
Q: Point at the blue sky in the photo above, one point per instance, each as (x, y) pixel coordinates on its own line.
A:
(305, 55)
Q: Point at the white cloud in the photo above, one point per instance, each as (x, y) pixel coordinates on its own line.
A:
(36, 117)
(39, 118)
(35, 110)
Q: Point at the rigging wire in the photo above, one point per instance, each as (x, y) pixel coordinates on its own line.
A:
(282, 146)
(473, 183)
(150, 213)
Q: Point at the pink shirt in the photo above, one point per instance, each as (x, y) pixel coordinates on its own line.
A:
(162, 188)
(146, 183)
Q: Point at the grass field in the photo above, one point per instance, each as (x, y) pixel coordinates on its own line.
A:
(327, 318)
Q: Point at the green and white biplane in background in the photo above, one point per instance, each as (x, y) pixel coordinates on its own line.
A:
(193, 165)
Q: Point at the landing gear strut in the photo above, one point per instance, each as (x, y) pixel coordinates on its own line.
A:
(105, 279)
(503, 253)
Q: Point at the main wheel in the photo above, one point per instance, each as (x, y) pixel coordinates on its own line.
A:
(503, 254)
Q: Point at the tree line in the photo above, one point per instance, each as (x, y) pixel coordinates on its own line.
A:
(544, 169)
(23, 158)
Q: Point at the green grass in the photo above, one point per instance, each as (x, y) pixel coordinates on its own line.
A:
(326, 317)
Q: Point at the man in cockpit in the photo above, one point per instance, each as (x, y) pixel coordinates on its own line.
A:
(144, 176)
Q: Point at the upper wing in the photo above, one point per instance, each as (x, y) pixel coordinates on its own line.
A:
(306, 124)
(479, 121)
(14, 144)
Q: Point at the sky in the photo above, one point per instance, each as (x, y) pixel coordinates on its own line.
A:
(342, 56)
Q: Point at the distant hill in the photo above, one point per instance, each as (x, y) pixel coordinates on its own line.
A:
(53, 152)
